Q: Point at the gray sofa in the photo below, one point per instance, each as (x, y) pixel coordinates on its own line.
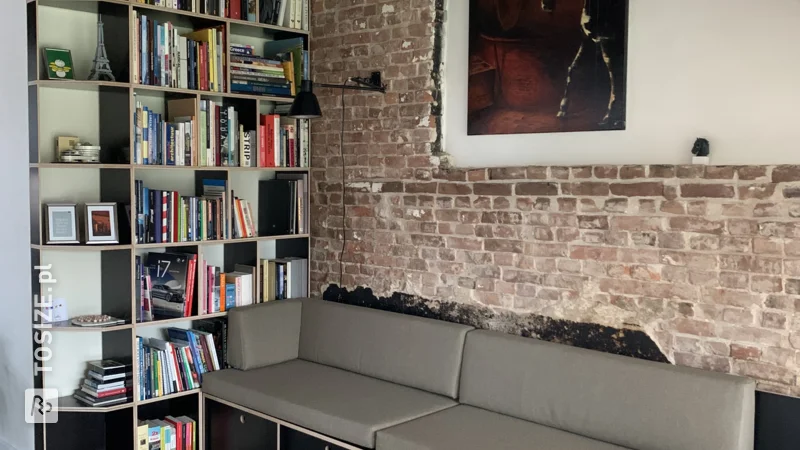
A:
(396, 382)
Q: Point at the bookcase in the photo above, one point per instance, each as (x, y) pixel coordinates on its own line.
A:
(102, 278)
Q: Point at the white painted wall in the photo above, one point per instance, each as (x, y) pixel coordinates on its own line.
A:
(727, 70)
(16, 350)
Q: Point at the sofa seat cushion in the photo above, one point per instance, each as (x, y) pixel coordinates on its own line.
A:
(467, 428)
(340, 404)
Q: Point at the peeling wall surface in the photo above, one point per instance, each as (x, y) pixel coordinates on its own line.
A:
(696, 265)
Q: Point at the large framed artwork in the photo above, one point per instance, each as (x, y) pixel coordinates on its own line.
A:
(543, 66)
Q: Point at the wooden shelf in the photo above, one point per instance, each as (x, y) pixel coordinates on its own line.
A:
(224, 20)
(223, 241)
(167, 397)
(77, 329)
(86, 85)
(80, 247)
(157, 323)
(79, 166)
(267, 98)
(221, 168)
(68, 403)
(161, 167)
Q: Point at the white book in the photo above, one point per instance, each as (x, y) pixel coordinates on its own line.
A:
(184, 61)
(298, 14)
(306, 15)
(283, 18)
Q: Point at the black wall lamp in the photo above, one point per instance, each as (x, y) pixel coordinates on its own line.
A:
(306, 105)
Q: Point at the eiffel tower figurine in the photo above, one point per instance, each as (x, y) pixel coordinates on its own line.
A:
(102, 67)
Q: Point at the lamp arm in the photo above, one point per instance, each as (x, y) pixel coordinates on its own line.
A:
(353, 87)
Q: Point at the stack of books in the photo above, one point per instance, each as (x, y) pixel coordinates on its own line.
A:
(167, 285)
(163, 57)
(285, 13)
(225, 291)
(232, 9)
(176, 364)
(167, 434)
(167, 216)
(252, 74)
(283, 142)
(284, 278)
(106, 383)
(223, 140)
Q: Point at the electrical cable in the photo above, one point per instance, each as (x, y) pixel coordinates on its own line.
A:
(344, 207)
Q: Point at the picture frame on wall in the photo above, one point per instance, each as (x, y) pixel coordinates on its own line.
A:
(101, 223)
(61, 224)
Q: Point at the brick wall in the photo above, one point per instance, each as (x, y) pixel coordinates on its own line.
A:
(705, 260)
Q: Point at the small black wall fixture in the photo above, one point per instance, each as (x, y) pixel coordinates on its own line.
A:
(306, 105)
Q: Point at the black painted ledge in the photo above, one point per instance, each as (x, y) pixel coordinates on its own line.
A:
(633, 343)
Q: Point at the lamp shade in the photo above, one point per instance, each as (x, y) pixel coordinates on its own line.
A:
(305, 105)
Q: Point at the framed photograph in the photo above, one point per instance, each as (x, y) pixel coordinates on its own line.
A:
(101, 223)
(58, 63)
(62, 224)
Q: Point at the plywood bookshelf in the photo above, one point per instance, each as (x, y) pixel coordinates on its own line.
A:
(101, 279)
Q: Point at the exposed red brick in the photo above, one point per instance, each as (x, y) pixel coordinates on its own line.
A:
(646, 189)
(606, 171)
(630, 223)
(662, 171)
(595, 253)
(720, 172)
(585, 188)
(507, 173)
(750, 173)
(783, 174)
(581, 172)
(791, 192)
(707, 191)
(534, 188)
(492, 189)
(745, 352)
(696, 225)
(631, 172)
(536, 173)
(693, 171)
(756, 191)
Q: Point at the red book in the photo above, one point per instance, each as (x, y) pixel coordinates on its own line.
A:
(179, 434)
(111, 392)
(190, 288)
(262, 146)
(271, 141)
(236, 9)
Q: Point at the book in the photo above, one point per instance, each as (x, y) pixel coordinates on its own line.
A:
(170, 274)
(141, 436)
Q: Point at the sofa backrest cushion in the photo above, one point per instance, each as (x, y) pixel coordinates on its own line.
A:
(412, 351)
(616, 399)
(263, 334)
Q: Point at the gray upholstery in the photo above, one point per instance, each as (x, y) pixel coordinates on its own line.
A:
(469, 428)
(412, 351)
(341, 404)
(629, 402)
(263, 334)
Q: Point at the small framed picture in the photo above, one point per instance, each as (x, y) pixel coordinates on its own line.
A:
(58, 64)
(101, 223)
(62, 224)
